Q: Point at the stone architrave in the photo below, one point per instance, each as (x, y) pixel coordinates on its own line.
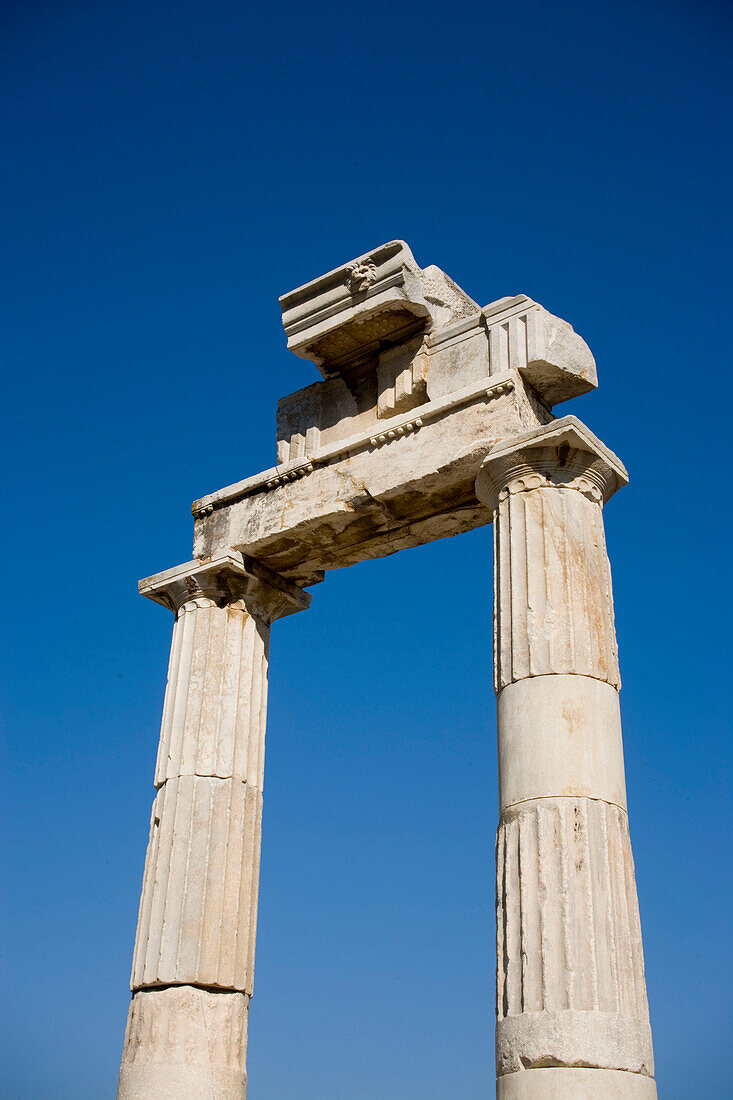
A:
(433, 416)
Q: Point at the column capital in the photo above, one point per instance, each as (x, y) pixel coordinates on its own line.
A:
(225, 579)
(563, 453)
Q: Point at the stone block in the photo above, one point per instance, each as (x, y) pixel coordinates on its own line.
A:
(216, 697)
(560, 735)
(603, 1040)
(408, 481)
(430, 366)
(575, 1084)
(552, 580)
(570, 968)
(547, 351)
(185, 1042)
(379, 298)
(396, 379)
(198, 909)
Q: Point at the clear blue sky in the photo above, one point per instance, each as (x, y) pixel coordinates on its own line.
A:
(171, 168)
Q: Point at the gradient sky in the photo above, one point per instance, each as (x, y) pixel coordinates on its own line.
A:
(171, 168)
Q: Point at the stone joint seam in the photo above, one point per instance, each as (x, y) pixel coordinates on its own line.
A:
(566, 672)
(152, 987)
(208, 775)
(557, 798)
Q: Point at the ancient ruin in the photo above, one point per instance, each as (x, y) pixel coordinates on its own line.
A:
(432, 417)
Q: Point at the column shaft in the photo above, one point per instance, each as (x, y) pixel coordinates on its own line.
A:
(571, 992)
(192, 971)
(553, 601)
(216, 699)
(198, 908)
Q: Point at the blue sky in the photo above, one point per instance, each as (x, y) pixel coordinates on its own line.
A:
(172, 168)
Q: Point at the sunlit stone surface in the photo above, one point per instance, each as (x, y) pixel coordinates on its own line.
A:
(432, 416)
(570, 968)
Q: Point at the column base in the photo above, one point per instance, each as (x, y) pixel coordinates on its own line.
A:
(575, 1084)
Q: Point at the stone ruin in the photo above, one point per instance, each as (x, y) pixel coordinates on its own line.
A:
(432, 416)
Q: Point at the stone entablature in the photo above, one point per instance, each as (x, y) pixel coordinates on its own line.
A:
(449, 390)
(371, 494)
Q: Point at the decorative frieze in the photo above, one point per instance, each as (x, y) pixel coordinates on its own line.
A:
(216, 698)
(401, 373)
(409, 336)
(318, 457)
(291, 474)
(198, 909)
(397, 432)
(570, 970)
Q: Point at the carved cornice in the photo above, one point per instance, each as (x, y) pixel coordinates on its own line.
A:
(564, 454)
(370, 299)
(226, 579)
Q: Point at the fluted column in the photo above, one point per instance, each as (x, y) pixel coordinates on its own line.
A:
(192, 971)
(572, 1014)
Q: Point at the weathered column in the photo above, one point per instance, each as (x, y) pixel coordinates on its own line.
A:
(572, 1014)
(193, 963)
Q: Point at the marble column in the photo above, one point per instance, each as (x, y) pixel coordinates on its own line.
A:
(572, 1014)
(192, 970)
